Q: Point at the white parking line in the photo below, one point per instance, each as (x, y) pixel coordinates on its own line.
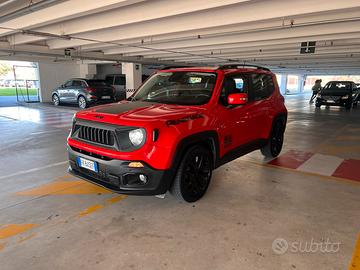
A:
(34, 169)
(321, 164)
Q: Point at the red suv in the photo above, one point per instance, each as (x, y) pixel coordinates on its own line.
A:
(179, 126)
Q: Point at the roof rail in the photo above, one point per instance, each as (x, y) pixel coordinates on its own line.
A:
(234, 66)
(171, 67)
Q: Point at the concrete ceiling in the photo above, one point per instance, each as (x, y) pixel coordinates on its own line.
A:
(264, 32)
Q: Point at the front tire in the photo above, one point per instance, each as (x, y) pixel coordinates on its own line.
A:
(349, 105)
(273, 147)
(56, 100)
(194, 174)
(82, 102)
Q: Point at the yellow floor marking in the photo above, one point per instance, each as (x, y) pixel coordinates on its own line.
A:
(23, 239)
(97, 207)
(116, 199)
(355, 263)
(347, 138)
(337, 149)
(14, 229)
(77, 187)
(91, 209)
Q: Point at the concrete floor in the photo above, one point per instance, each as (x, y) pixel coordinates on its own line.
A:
(50, 220)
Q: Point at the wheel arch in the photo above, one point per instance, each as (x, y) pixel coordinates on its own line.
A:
(279, 117)
(208, 139)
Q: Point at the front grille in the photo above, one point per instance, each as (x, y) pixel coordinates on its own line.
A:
(96, 135)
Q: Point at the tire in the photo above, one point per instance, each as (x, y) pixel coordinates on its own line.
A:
(56, 100)
(273, 147)
(194, 174)
(355, 104)
(82, 102)
(348, 105)
(317, 104)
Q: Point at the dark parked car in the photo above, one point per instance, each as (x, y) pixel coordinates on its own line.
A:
(118, 81)
(338, 93)
(83, 92)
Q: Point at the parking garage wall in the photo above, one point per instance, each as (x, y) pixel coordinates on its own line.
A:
(54, 74)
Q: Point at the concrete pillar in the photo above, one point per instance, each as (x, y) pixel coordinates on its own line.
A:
(283, 84)
(301, 80)
(87, 71)
(133, 73)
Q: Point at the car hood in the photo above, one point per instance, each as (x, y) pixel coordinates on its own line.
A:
(142, 111)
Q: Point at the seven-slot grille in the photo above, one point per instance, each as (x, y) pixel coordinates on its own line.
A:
(96, 135)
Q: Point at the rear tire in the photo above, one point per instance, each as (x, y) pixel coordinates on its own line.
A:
(82, 102)
(193, 176)
(56, 100)
(273, 147)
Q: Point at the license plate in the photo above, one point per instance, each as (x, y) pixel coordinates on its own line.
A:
(87, 164)
(106, 97)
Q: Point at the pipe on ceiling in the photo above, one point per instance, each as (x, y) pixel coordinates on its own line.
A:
(28, 9)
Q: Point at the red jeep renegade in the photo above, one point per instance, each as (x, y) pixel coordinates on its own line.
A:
(181, 124)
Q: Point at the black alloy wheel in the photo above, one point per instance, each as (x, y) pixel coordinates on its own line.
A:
(194, 175)
(276, 140)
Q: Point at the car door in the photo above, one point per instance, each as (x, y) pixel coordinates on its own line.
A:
(74, 90)
(260, 91)
(63, 91)
(234, 127)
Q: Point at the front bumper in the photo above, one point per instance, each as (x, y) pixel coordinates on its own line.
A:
(115, 175)
(332, 102)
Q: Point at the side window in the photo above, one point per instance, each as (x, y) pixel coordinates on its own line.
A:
(83, 84)
(233, 84)
(76, 83)
(262, 86)
(68, 83)
(109, 80)
(119, 80)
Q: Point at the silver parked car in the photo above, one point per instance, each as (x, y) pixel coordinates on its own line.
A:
(83, 92)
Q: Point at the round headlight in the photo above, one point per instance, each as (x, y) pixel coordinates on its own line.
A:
(136, 136)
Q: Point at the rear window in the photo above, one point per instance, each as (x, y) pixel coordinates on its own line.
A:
(96, 83)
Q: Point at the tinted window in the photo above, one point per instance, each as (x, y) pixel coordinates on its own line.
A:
(233, 84)
(262, 86)
(109, 79)
(96, 83)
(68, 84)
(76, 83)
(120, 80)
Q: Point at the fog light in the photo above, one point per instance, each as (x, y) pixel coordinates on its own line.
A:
(136, 165)
(143, 178)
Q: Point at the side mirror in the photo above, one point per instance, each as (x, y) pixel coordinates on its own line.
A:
(238, 99)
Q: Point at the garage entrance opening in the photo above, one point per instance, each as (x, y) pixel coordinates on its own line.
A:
(18, 83)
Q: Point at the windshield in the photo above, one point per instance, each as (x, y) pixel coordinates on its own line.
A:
(337, 87)
(183, 88)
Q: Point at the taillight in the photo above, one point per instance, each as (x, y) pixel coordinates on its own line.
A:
(90, 90)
